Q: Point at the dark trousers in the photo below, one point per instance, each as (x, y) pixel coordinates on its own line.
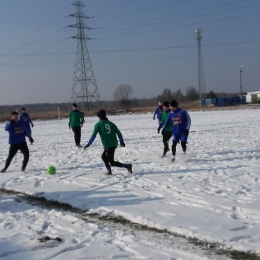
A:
(77, 134)
(108, 158)
(159, 127)
(13, 151)
(166, 137)
(183, 145)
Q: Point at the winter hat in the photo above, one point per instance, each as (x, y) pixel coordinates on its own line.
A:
(102, 113)
(23, 109)
(173, 103)
(166, 104)
(14, 113)
(74, 105)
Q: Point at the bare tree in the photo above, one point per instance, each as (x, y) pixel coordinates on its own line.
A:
(123, 94)
(192, 94)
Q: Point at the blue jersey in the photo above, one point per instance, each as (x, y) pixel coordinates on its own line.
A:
(180, 121)
(17, 132)
(25, 118)
(158, 111)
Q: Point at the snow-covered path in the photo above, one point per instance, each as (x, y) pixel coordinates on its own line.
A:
(212, 193)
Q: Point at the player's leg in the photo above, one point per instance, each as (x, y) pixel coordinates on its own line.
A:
(110, 156)
(74, 131)
(184, 143)
(174, 144)
(104, 157)
(166, 137)
(160, 126)
(25, 151)
(13, 149)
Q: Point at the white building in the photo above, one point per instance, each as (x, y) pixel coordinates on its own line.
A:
(253, 97)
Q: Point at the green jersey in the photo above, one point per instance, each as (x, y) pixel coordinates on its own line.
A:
(76, 118)
(164, 119)
(107, 131)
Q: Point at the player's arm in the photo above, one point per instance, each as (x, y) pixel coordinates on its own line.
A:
(30, 121)
(9, 126)
(120, 137)
(187, 120)
(155, 112)
(93, 136)
(69, 119)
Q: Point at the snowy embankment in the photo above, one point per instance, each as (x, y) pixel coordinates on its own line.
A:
(212, 193)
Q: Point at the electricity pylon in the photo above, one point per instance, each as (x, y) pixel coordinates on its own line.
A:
(84, 90)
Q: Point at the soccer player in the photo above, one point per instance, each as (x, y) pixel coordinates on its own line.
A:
(24, 116)
(181, 122)
(17, 133)
(158, 111)
(108, 132)
(76, 120)
(167, 134)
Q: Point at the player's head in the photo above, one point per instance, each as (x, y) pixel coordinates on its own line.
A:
(14, 116)
(173, 105)
(74, 106)
(160, 103)
(23, 110)
(102, 114)
(166, 105)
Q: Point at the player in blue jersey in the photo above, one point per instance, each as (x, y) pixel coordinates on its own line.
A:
(17, 133)
(181, 122)
(25, 118)
(158, 113)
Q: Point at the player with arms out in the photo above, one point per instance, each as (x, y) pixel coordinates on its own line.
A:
(17, 133)
(24, 116)
(181, 122)
(167, 134)
(108, 132)
(158, 112)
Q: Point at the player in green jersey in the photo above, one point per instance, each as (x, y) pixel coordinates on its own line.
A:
(167, 133)
(108, 132)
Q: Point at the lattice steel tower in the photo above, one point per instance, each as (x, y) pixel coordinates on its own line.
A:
(201, 76)
(84, 90)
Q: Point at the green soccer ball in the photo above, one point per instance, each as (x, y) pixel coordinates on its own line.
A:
(51, 170)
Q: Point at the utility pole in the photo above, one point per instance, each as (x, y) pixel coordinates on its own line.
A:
(241, 80)
(84, 90)
(201, 76)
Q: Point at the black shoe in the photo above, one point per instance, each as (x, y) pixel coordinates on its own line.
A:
(22, 169)
(109, 173)
(164, 155)
(3, 170)
(173, 158)
(129, 168)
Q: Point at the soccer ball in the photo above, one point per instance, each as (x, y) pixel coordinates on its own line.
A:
(51, 170)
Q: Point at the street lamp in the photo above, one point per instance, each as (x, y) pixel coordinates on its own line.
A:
(241, 80)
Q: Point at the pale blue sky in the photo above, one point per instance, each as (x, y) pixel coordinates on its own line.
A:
(131, 46)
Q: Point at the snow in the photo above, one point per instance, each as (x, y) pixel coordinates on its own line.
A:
(211, 193)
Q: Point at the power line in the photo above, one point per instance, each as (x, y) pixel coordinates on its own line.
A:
(159, 17)
(29, 34)
(175, 20)
(39, 39)
(28, 54)
(123, 15)
(179, 26)
(140, 59)
(149, 49)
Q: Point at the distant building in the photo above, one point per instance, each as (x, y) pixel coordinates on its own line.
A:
(251, 97)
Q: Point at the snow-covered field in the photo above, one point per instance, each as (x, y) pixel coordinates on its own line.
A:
(212, 193)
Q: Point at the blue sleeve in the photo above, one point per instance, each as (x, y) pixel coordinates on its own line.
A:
(8, 127)
(30, 120)
(21, 117)
(187, 119)
(121, 139)
(92, 138)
